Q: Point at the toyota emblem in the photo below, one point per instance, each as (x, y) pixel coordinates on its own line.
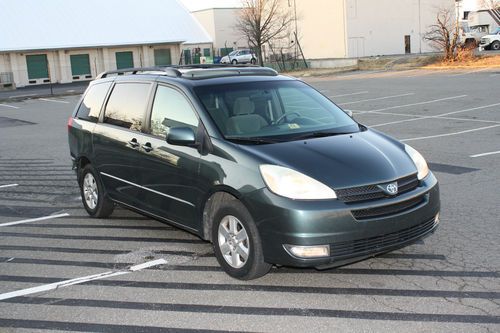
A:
(392, 188)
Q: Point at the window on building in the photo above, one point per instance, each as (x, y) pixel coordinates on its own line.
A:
(206, 52)
(124, 59)
(127, 105)
(92, 103)
(163, 57)
(225, 51)
(171, 109)
(80, 64)
(37, 66)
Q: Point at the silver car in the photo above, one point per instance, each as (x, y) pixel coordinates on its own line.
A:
(243, 56)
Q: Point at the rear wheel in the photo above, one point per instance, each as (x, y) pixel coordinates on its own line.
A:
(495, 45)
(236, 241)
(253, 61)
(95, 201)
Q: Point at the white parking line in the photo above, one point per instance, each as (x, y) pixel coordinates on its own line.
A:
(52, 100)
(67, 283)
(469, 72)
(34, 220)
(448, 134)
(442, 115)
(356, 93)
(413, 104)
(376, 99)
(8, 185)
(27, 95)
(486, 154)
(9, 106)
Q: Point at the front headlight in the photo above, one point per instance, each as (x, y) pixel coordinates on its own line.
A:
(293, 184)
(419, 161)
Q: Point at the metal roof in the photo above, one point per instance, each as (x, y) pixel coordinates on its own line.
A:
(62, 24)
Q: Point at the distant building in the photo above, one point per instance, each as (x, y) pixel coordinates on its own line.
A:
(65, 41)
(339, 29)
(220, 23)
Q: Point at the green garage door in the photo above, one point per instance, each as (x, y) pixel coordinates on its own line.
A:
(80, 64)
(124, 60)
(37, 66)
(162, 57)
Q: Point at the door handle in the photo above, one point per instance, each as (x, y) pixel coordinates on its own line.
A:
(133, 143)
(147, 147)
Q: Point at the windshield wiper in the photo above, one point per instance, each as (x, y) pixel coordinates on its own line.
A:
(255, 140)
(319, 135)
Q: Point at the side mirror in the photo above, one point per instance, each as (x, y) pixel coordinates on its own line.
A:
(349, 113)
(181, 136)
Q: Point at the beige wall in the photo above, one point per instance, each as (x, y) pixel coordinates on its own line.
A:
(321, 28)
(379, 27)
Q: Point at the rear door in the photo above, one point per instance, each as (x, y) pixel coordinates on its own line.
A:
(170, 173)
(117, 140)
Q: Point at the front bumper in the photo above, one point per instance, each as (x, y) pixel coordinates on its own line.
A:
(305, 223)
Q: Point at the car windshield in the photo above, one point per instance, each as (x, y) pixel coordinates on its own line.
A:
(273, 111)
(233, 52)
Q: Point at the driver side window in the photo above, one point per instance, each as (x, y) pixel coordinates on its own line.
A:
(171, 109)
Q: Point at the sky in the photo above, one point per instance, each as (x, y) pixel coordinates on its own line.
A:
(203, 4)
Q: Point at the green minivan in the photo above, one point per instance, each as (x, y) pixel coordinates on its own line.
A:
(262, 165)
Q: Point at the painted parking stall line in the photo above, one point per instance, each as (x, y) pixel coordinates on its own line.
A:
(79, 280)
(53, 100)
(9, 106)
(34, 220)
(377, 99)
(352, 94)
(9, 185)
(486, 154)
(413, 104)
(449, 134)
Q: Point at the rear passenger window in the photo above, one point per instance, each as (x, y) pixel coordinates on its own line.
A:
(127, 105)
(92, 102)
(171, 109)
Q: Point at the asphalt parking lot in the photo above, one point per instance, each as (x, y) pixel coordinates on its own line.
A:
(449, 282)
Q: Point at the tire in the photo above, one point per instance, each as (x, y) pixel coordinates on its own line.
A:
(234, 61)
(94, 197)
(495, 45)
(230, 220)
(253, 61)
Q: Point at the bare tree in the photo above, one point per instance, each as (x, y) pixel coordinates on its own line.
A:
(444, 34)
(262, 21)
(490, 4)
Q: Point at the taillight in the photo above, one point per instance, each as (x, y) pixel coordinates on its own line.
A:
(70, 123)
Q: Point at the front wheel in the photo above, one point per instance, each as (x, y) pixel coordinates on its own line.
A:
(234, 62)
(236, 241)
(495, 46)
(95, 201)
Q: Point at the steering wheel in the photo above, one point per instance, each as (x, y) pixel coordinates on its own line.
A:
(284, 116)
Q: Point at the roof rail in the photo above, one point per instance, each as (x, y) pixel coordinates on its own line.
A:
(169, 71)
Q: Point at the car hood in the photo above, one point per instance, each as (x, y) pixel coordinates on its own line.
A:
(341, 161)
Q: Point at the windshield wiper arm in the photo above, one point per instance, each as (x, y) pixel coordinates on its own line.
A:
(257, 140)
(319, 135)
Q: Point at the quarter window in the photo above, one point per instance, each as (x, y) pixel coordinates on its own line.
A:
(171, 109)
(92, 103)
(127, 105)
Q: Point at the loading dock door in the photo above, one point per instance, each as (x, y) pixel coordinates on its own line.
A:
(80, 64)
(162, 57)
(37, 66)
(124, 60)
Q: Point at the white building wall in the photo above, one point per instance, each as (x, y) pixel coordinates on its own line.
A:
(379, 27)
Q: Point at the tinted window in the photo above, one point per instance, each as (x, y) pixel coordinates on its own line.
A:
(92, 103)
(127, 105)
(171, 109)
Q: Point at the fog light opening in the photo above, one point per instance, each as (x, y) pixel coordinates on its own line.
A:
(436, 219)
(316, 251)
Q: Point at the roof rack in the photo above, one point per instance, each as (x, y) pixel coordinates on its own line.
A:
(195, 72)
(169, 71)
